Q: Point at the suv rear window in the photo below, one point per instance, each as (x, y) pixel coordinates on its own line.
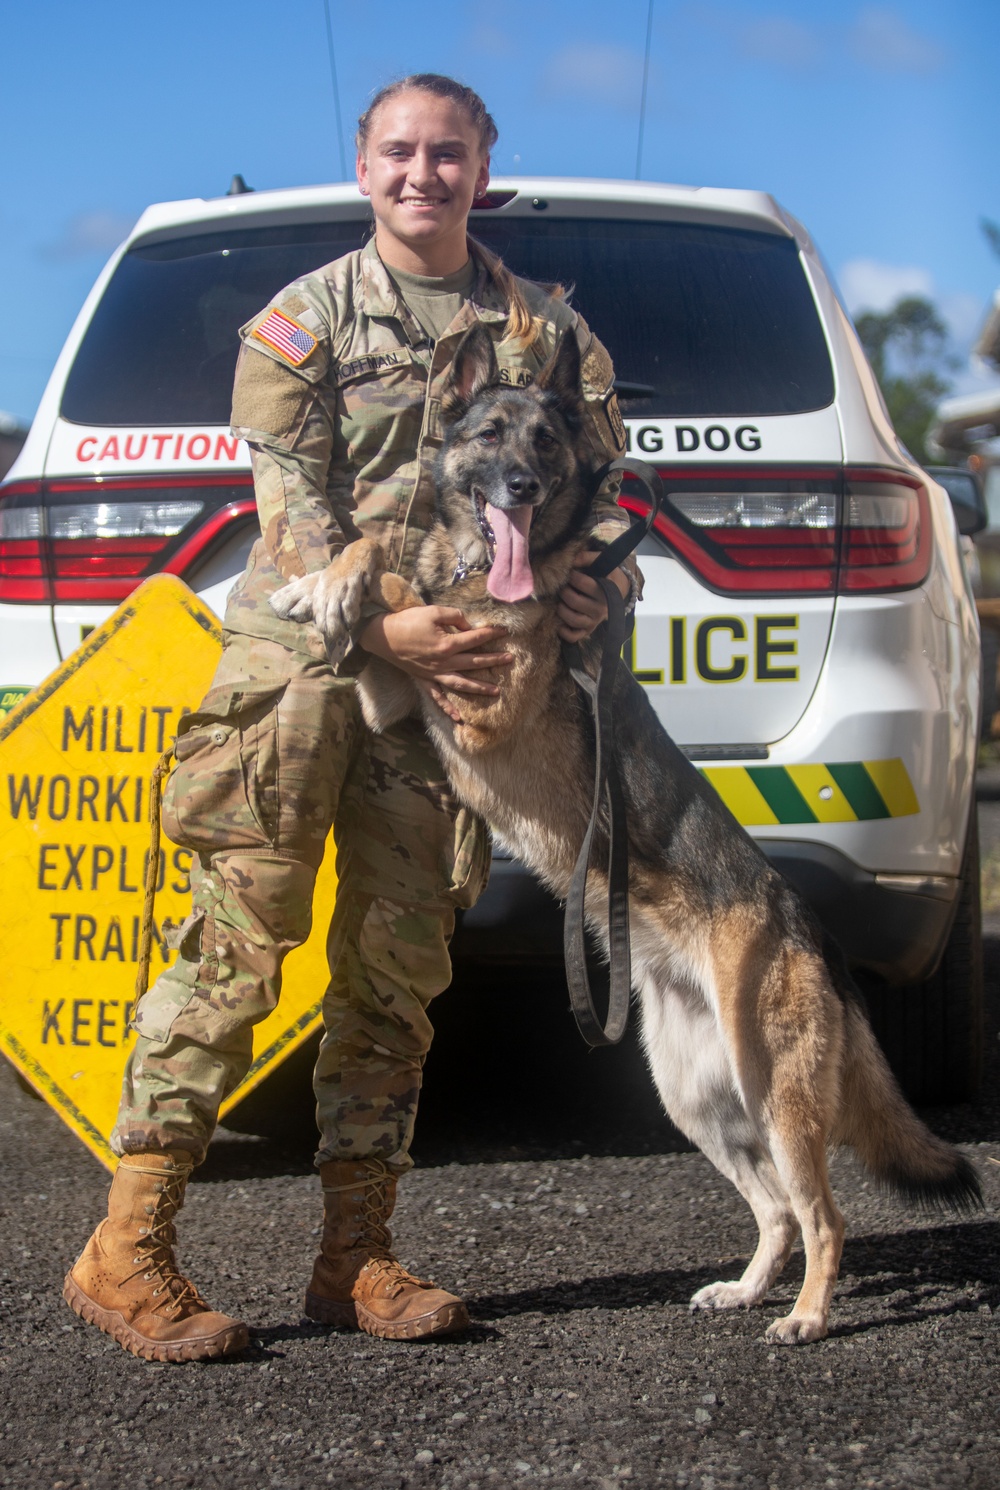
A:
(698, 320)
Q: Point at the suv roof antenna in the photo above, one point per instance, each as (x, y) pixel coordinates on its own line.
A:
(645, 85)
(238, 186)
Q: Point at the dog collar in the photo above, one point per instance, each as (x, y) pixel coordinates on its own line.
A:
(463, 569)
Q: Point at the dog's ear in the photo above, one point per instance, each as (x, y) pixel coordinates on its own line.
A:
(561, 376)
(473, 369)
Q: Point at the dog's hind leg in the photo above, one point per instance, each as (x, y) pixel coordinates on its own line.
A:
(694, 1078)
(798, 1147)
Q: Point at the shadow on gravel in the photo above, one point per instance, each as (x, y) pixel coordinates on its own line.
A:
(939, 1257)
(906, 1270)
(615, 1291)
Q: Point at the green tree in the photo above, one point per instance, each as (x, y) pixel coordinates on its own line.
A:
(907, 347)
(991, 232)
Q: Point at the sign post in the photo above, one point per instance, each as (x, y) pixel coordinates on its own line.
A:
(76, 756)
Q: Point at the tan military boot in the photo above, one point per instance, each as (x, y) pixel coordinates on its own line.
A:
(126, 1280)
(356, 1282)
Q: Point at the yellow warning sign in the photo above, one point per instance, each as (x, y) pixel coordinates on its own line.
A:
(76, 757)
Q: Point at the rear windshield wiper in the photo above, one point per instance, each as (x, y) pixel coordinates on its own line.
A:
(634, 390)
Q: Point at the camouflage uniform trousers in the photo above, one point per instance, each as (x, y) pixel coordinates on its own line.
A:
(277, 755)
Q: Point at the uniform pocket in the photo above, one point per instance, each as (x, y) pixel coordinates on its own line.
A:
(223, 791)
(469, 869)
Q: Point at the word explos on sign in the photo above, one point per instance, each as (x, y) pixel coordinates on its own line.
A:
(76, 757)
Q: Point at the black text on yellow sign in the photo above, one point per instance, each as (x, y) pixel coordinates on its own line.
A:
(77, 862)
(76, 758)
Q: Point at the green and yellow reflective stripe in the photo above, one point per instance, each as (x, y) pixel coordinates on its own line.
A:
(740, 795)
(822, 791)
(830, 792)
(894, 787)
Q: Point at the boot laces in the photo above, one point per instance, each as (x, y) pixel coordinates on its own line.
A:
(382, 1266)
(374, 1204)
(154, 1250)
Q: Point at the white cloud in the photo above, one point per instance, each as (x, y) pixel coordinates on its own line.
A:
(868, 284)
(882, 39)
(603, 74)
(88, 233)
(780, 40)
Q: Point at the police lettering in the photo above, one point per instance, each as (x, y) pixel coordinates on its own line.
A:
(722, 648)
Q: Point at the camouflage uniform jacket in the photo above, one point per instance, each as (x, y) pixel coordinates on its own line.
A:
(338, 393)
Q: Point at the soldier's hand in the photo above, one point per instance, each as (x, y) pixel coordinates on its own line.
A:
(436, 644)
(582, 606)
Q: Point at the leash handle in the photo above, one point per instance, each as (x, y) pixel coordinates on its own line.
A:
(610, 557)
(599, 693)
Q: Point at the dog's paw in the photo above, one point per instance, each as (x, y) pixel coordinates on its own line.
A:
(796, 1329)
(294, 602)
(725, 1296)
(337, 601)
(333, 598)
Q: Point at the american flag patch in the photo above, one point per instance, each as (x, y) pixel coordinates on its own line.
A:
(286, 336)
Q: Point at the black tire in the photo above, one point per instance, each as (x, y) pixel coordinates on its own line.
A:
(932, 1032)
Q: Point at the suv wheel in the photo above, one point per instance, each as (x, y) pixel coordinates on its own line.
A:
(932, 1032)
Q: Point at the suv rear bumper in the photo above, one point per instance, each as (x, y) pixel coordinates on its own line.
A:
(899, 933)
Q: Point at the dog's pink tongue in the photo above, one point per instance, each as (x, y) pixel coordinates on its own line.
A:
(510, 577)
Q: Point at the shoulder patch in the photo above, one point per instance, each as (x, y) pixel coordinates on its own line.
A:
(597, 367)
(615, 420)
(286, 337)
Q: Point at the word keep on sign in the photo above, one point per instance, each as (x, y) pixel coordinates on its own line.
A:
(76, 756)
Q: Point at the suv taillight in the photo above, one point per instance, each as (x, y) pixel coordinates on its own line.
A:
(96, 539)
(809, 531)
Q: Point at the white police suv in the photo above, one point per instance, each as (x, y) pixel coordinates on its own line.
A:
(807, 633)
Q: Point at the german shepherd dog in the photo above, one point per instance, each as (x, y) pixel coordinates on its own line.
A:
(756, 1036)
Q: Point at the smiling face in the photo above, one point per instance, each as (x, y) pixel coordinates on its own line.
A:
(422, 167)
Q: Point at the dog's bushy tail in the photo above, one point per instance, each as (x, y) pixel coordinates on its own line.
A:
(899, 1151)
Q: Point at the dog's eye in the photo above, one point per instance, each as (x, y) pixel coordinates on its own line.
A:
(488, 435)
(545, 438)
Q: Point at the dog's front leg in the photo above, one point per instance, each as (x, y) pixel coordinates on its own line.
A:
(333, 597)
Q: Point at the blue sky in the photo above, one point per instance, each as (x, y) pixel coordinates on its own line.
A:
(876, 124)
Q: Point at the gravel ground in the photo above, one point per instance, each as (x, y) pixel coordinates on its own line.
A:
(578, 1225)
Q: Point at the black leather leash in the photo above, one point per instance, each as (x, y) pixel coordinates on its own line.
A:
(599, 693)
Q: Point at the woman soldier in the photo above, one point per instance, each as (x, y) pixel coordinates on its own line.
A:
(338, 392)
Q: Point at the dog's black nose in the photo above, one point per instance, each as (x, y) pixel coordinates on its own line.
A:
(523, 485)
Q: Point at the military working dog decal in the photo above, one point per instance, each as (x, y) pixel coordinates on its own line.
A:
(756, 1036)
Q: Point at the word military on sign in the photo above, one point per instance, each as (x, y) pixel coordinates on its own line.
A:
(76, 758)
